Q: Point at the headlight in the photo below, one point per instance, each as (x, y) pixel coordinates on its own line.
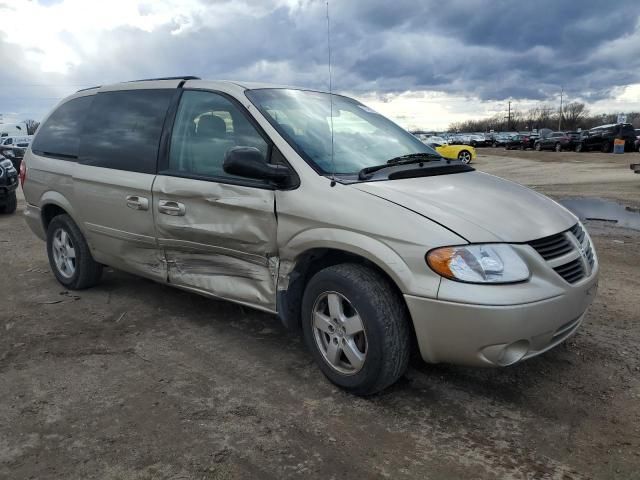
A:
(491, 263)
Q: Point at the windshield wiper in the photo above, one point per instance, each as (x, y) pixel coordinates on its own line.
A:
(413, 158)
(401, 160)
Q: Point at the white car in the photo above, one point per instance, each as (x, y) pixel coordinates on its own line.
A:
(17, 141)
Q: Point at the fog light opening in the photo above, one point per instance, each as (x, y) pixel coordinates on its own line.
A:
(512, 353)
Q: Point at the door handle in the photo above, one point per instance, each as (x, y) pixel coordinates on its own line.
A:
(137, 203)
(169, 207)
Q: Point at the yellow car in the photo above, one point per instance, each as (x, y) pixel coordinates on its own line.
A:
(464, 153)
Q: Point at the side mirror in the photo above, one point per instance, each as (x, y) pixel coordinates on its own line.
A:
(249, 162)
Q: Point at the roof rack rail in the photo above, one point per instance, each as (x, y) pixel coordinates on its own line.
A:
(88, 88)
(184, 77)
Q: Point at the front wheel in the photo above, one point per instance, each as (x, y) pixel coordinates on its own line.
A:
(357, 328)
(69, 255)
(464, 156)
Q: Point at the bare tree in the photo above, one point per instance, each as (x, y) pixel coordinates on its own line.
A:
(573, 114)
(32, 126)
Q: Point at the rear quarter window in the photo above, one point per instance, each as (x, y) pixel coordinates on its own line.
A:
(59, 136)
(627, 130)
(123, 129)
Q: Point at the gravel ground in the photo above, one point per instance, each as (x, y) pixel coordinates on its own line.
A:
(132, 379)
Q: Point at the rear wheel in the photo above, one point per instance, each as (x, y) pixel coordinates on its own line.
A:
(11, 204)
(69, 255)
(357, 328)
(464, 156)
(558, 147)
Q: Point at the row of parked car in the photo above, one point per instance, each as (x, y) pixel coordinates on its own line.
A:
(601, 138)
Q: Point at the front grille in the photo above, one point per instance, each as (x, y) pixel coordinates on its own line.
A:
(575, 241)
(572, 271)
(578, 232)
(553, 246)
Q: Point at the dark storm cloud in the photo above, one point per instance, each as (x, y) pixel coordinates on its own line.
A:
(499, 50)
(490, 50)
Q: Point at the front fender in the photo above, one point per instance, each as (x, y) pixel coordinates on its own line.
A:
(348, 241)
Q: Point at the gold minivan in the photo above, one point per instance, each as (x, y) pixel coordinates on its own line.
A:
(315, 208)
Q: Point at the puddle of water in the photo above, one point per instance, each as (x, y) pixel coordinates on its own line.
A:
(604, 211)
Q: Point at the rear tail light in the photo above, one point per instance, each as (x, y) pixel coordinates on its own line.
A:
(23, 172)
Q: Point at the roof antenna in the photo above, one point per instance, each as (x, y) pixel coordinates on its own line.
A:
(333, 163)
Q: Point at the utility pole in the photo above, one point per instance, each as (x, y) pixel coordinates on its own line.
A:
(560, 116)
(509, 117)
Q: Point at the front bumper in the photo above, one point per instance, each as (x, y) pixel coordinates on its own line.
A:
(497, 335)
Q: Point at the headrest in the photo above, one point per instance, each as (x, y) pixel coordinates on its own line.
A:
(211, 126)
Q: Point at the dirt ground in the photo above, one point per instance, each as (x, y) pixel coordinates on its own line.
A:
(132, 379)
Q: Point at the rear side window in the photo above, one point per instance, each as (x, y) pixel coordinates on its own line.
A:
(627, 130)
(123, 129)
(59, 136)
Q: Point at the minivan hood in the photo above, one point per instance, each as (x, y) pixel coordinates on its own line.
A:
(477, 206)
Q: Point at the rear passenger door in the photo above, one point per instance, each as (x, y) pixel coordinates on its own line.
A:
(115, 173)
(548, 140)
(218, 231)
(594, 140)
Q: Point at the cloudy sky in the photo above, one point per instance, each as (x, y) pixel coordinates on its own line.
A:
(424, 63)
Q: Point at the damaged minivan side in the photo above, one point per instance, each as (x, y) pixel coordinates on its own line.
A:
(315, 208)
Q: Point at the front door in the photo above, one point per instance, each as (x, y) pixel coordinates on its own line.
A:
(218, 231)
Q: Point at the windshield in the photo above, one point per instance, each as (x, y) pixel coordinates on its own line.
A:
(361, 137)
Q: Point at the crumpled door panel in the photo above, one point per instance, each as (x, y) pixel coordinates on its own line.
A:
(224, 244)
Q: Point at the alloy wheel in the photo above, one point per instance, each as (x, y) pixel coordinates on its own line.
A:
(339, 333)
(464, 156)
(64, 253)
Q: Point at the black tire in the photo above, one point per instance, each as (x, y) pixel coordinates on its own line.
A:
(558, 147)
(385, 319)
(606, 147)
(87, 271)
(10, 205)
